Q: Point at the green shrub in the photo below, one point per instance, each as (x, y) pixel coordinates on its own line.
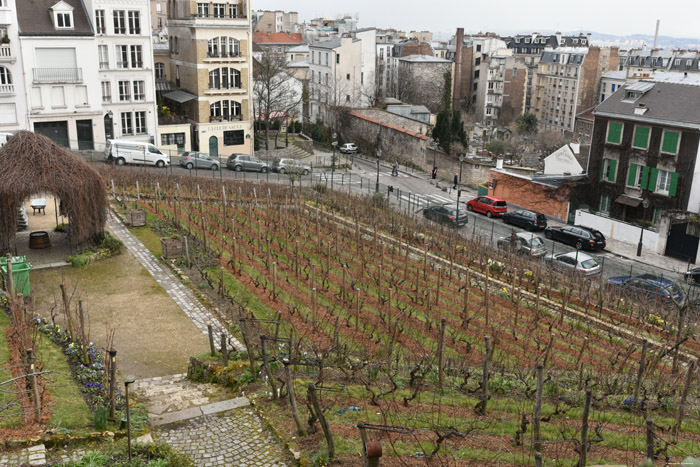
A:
(113, 245)
(320, 188)
(93, 459)
(101, 418)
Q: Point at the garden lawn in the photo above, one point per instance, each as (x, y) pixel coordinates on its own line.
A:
(5, 375)
(153, 335)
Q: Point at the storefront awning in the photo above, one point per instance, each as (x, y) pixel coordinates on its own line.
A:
(180, 96)
(628, 201)
(164, 85)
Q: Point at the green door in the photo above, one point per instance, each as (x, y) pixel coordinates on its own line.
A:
(214, 147)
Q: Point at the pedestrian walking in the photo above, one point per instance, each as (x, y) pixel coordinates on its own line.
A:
(434, 173)
(395, 170)
(456, 182)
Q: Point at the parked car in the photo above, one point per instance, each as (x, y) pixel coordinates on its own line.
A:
(489, 205)
(524, 244)
(446, 214)
(692, 276)
(575, 262)
(240, 162)
(348, 148)
(290, 166)
(528, 220)
(578, 236)
(652, 286)
(199, 160)
(132, 152)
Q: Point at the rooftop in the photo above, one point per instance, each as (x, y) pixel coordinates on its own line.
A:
(277, 37)
(424, 59)
(34, 19)
(299, 49)
(615, 74)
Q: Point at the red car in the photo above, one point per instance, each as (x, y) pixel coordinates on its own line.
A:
(489, 205)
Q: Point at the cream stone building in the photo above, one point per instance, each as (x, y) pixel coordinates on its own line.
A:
(211, 66)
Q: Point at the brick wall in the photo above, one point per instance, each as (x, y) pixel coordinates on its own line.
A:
(526, 194)
(428, 83)
(393, 119)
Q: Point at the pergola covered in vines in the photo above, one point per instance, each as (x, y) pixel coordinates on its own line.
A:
(32, 164)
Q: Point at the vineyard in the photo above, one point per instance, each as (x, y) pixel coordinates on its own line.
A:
(399, 332)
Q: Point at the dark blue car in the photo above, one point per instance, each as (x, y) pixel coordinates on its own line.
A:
(652, 286)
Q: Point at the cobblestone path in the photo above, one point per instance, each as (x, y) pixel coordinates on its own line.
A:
(198, 420)
(179, 293)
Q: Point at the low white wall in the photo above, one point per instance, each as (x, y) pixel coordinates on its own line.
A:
(617, 230)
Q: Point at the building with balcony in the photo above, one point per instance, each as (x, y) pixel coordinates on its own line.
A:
(59, 57)
(126, 68)
(13, 105)
(500, 94)
(211, 65)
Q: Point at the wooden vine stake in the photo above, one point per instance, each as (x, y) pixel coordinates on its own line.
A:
(537, 414)
(481, 405)
(684, 398)
(268, 372)
(274, 281)
(290, 393)
(640, 372)
(441, 352)
(584, 429)
(357, 316)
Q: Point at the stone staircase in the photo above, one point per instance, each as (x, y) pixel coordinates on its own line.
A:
(299, 153)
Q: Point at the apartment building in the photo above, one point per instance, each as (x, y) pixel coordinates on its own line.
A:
(422, 80)
(645, 146)
(210, 61)
(567, 81)
(610, 82)
(500, 96)
(276, 21)
(277, 42)
(159, 18)
(335, 76)
(638, 63)
(13, 104)
(126, 69)
(530, 47)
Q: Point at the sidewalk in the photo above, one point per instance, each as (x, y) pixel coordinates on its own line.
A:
(650, 258)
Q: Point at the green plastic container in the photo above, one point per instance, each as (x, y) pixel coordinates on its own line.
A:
(483, 190)
(20, 273)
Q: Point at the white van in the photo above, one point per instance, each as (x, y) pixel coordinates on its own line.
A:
(132, 152)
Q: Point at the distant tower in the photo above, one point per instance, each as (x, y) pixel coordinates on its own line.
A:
(656, 35)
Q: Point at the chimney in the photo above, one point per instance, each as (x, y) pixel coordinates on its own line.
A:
(656, 35)
(589, 36)
(558, 34)
(499, 163)
(457, 83)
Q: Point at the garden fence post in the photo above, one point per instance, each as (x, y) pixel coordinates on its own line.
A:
(363, 437)
(112, 382)
(322, 421)
(650, 439)
(187, 251)
(224, 349)
(290, 393)
(31, 368)
(222, 285)
(10, 286)
(684, 397)
(536, 416)
(212, 347)
(263, 349)
(584, 428)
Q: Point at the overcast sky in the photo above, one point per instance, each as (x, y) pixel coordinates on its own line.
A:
(679, 18)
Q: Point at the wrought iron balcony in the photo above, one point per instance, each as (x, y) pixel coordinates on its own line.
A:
(58, 75)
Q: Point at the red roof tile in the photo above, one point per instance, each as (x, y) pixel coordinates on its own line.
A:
(277, 38)
(388, 125)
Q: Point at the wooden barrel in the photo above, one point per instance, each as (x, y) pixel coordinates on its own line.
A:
(39, 240)
(373, 449)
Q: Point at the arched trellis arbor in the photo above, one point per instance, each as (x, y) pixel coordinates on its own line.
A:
(32, 164)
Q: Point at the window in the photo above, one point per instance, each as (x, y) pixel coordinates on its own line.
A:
(203, 10)
(100, 27)
(614, 135)
(213, 47)
(160, 22)
(478, 47)
(58, 97)
(136, 57)
(670, 142)
(122, 56)
(337, 59)
(215, 110)
(214, 79)
(477, 62)
(347, 98)
(127, 124)
(638, 176)
(233, 138)
(139, 90)
(37, 102)
(234, 47)
(641, 137)
(106, 91)
(604, 207)
(664, 182)
(134, 22)
(103, 57)
(170, 139)
(476, 74)
(476, 85)
(64, 20)
(608, 170)
(140, 123)
(219, 10)
(160, 70)
(81, 96)
(124, 91)
(158, 8)
(233, 11)
(347, 77)
(119, 22)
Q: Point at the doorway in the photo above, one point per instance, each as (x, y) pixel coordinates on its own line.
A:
(55, 131)
(84, 129)
(214, 146)
(109, 126)
(680, 244)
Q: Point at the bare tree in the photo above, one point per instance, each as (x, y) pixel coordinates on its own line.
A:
(277, 93)
(548, 141)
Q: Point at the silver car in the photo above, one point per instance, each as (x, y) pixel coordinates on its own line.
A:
(524, 244)
(290, 166)
(239, 162)
(191, 160)
(580, 263)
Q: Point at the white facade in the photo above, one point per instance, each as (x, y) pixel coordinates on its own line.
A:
(126, 71)
(369, 63)
(13, 105)
(563, 161)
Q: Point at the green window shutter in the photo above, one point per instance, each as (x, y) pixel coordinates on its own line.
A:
(652, 179)
(641, 137)
(602, 169)
(645, 178)
(674, 184)
(611, 174)
(632, 177)
(670, 143)
(614, 132)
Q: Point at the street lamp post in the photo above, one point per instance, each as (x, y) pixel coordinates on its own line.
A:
(379, 155)
(459, 190)
(645, 205)
(335, 145)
